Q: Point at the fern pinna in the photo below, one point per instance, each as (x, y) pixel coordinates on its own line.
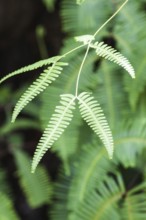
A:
(89, 107)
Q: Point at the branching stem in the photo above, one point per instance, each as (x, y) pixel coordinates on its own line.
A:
(102, 26)
(88, 47)
(80, 70)
(76, 48)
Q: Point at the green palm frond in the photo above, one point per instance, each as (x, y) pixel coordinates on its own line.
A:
(92, 168)
(111, 54)
(37, 187)
(31, 67)
(58, 122)
(131, 141)
(7, 210)
(110, 200)
(84, 19)
(110, 93)
(59, 210)
(46, 78)
(93, 115)
(132, 16)
(137, 86)
(134, 207)
(102, 203)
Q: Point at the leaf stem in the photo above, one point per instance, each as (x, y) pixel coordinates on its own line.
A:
(76, 48)
(88, 47)
(102, 26)
(80, 70)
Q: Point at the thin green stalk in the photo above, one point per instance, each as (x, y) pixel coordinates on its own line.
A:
(102, 26)
(64, 55)
(88, 47)
(80, 70)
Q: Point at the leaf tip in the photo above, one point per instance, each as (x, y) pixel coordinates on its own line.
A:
(13, 118)
(33, 167)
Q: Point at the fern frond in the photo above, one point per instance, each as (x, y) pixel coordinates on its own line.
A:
(84, 18)
(92, 167)
(4, 187)
(37, 187)
(131, 141)
(134, 206)
(93, 115)
(31, 67)
(102, 202)
(111, 54)
(7, 210)
(131, 16)
(58, 122)
(66, 84)
(46, 78)
(59, 209)
(110, 93)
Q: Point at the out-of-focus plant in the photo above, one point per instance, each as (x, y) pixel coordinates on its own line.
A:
(89, 185)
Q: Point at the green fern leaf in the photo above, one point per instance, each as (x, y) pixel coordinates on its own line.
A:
(38, 187)
(93, 115)
(111, 54)
(31, 67)
(91, 168)
(58, 122)
(46, 78)
(134, 207)
(102, 202)
(7, 210)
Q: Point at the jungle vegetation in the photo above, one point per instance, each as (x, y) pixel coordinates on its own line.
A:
(91, 112)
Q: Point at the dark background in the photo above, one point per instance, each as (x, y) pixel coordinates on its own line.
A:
(19, 47)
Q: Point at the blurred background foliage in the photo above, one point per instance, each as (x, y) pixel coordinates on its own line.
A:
(76, 180)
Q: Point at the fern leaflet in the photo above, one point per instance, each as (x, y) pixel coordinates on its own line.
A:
(58, 122)
(46, 78)
(31, 67)
(93, 115)
(111, 54)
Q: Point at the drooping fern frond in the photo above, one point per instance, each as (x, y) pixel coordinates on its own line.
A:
(46, 78)
(111, 54)
(4, 187)
(7, 210)
(66, 84)
(93, 115)
(37, 187)
(58, 122)
(31, 67)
